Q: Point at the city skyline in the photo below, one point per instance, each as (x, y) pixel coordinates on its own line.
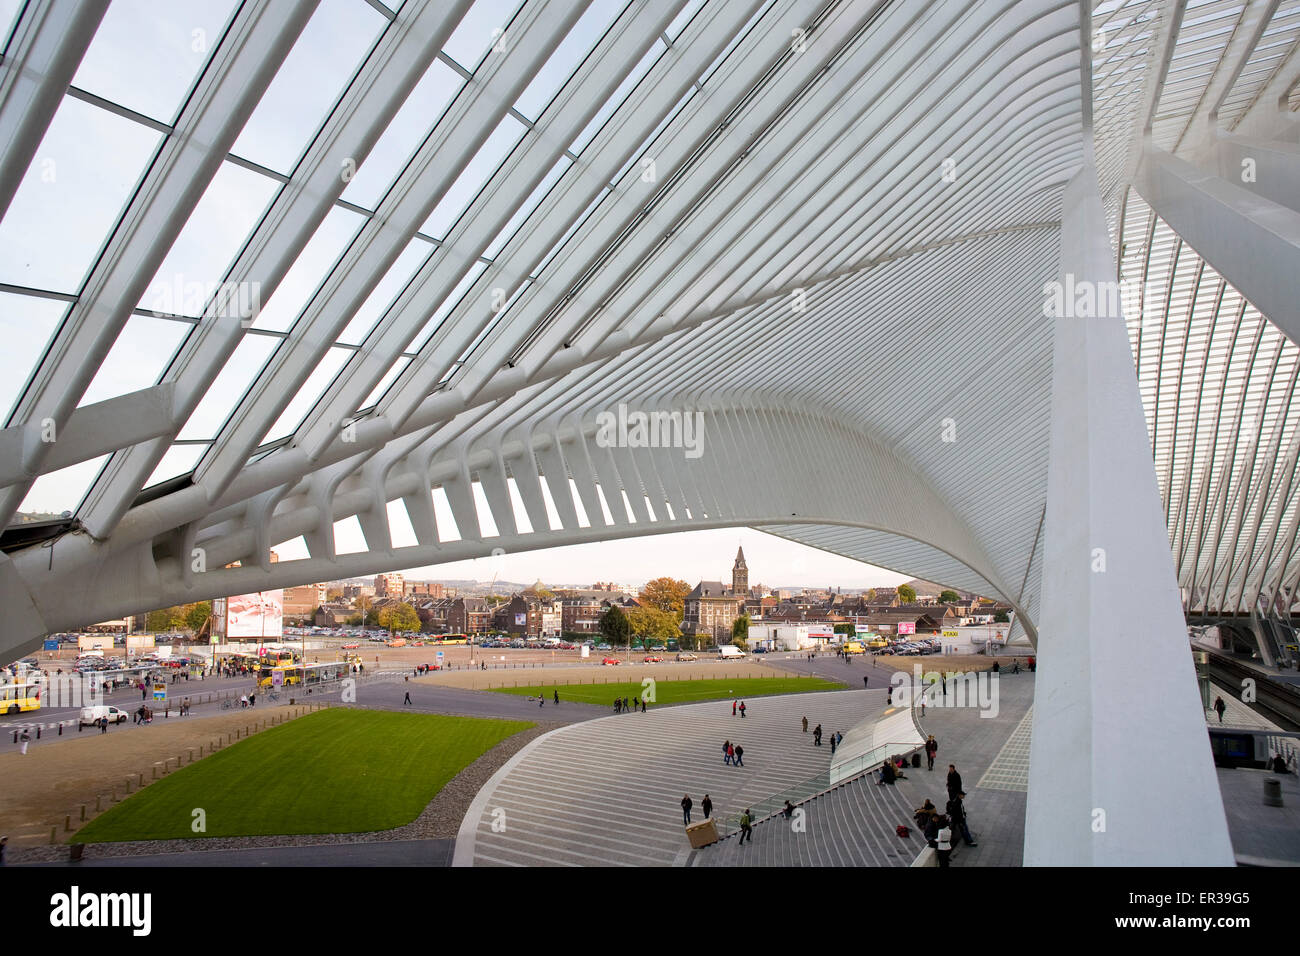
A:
(690, 556)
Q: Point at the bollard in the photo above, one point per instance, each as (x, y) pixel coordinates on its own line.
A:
(191, 753)
(83, 813)
(128, 785)
(54, 830)
(67, 824)
(38, 731)
(142, 781)
(60, 730)
(155, 771)
(15, 736)
(1272, 792)
(98, 805)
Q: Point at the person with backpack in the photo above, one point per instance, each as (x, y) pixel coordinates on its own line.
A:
(740, 752)
(746, 828)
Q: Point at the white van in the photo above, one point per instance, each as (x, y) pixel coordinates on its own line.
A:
(91, 715)
(730, 650)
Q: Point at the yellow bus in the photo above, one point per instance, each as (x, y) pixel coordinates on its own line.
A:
(20, 697)
(308, 674)
(448, 639)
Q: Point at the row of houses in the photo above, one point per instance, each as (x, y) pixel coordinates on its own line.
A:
(526, 614)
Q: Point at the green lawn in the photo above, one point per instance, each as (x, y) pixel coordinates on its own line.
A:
(676, 691)
(333, 771)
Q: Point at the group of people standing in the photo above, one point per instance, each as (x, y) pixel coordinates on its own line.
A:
(622, 706)
(940, 828)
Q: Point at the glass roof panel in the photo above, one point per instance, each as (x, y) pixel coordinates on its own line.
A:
(568, 56)
(177, 460)
(146, 55)
(388, 289)
(312, 77)
(231, 382)
(482, 27)
(221, 223)
(477, 172)
(84, 171)
(418, 115)
(9, 10)
(618, 96)
(143, 350)
(384, 383)
(52, 494)
(27, 325)
(308, 394)
(333, 236)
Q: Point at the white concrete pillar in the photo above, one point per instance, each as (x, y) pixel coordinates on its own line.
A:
(1120, 767)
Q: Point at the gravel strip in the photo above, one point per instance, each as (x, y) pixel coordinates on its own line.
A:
(439, 820)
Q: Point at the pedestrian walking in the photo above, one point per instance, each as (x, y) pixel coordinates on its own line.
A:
(931, 748)
(832, 745)
(742, 708)
(103, 725)
(954, 781)
(408, 698)
(805, 725)
(733, 708)
(740, 752)
(618, 705)
(643, 705)
(1220, 706)
(686, 810)
(707, 806)
(625, 705)
(817, 735)
(746, 830)
(541, 700)
(726, 753)
(788, 810)
(24, 739)
(557, 697)
(864, 677)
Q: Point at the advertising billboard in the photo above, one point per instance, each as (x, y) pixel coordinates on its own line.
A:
(906, 627)
(139, 642)
(260, 614)
(95, 642)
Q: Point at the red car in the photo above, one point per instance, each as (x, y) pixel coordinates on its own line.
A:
(430, 667)
(351, 647)
(611, 660)
(653, 660)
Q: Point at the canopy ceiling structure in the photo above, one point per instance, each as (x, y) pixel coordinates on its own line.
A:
(346, 263)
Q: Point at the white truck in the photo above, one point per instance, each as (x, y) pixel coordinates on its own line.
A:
(91, 715)
(730, 650)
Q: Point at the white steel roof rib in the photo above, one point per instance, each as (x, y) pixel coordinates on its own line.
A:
(825, 225)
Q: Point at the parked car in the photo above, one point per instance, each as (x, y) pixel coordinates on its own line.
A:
(686, 656)
(651, 659)
(351, 646)
(611, 660)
